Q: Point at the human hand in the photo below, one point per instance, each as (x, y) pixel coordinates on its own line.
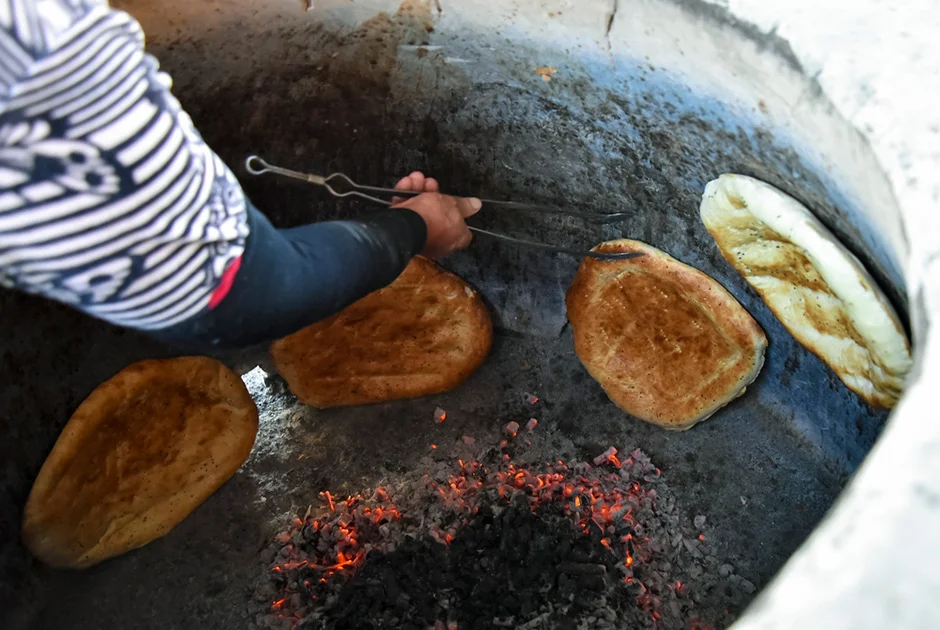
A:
(444, 215)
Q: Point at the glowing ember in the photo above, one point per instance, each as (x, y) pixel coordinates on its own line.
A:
(612, 504)
(329, 500)
(531, 399)
(607, 456)
(439, 415)
(531, 424)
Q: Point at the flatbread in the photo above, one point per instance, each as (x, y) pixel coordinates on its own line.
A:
(667, 343)
(423, 334)
(137, 456)
(812, 283)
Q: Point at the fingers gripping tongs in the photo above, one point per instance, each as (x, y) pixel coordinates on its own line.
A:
(339, 185)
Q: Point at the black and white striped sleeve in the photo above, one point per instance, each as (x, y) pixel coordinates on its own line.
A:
(109, 199)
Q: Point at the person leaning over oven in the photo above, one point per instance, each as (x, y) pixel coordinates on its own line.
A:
(111, 202)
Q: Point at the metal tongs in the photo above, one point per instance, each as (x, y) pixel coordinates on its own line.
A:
(339, 185)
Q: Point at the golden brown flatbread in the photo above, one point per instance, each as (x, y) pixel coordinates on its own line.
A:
(667, 343)
(423, 334)
(137, 456)
(815, 286)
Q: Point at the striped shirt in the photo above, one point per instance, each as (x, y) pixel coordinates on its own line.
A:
(110, 201)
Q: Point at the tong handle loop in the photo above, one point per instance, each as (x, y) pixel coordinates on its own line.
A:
(257, 166)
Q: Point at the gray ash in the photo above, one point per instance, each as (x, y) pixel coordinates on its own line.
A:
(481, 541)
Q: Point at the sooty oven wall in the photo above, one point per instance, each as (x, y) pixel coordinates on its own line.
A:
(374, 103)
(380, 99)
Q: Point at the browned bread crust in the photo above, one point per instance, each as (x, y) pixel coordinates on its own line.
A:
(137, 456)
(423, 334)
(667, 343)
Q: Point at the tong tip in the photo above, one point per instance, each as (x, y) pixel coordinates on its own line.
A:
(616, 256)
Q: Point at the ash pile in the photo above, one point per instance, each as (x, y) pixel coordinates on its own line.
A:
(489, 538)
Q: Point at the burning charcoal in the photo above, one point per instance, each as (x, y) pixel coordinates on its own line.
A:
(531, 424)
(540, 546)
(511, 429)
(439, 415)
(581, 467)
(531, 399)
(310, 534)
(605, 456)
(641, 459)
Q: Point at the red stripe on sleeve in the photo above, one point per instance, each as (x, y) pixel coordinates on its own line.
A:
(225, 284)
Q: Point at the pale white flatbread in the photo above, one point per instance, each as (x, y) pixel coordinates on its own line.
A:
(817, 288)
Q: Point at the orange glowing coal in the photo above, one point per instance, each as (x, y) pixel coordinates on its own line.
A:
(338, 541)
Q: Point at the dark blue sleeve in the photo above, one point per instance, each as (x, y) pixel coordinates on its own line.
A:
(292, 278)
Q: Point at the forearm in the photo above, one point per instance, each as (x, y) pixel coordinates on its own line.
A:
(288, 279)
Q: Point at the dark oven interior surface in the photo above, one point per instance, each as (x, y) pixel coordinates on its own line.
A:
(371, 103)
